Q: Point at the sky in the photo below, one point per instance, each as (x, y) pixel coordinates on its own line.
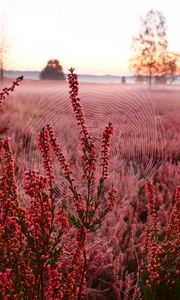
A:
(94, 36)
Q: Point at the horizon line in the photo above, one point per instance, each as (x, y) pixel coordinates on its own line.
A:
(79, 74)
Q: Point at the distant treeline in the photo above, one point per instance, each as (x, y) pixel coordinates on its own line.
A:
(34, 75)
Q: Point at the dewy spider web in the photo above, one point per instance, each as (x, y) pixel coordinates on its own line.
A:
(138, 141)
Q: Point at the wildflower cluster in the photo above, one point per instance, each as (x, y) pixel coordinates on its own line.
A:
(36, 262)
(46, 246)
(160, 266)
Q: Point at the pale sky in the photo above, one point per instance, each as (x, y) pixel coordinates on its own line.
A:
(94, 36)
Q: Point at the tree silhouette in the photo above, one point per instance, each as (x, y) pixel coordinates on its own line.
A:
(150, 45)
(53, 71)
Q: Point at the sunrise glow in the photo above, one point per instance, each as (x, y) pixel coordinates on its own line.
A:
(94, 36)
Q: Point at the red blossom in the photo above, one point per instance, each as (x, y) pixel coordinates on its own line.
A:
(36, 262)
(6, 91)
(105, 149)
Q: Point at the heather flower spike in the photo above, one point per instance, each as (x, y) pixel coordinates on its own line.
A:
(5, 91)
(89, 157)
(85, 205)
(71, 70)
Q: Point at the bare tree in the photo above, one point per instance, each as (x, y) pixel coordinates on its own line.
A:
(4, 47)
(150, 45)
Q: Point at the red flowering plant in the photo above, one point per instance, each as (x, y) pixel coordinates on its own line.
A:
(160, 266)
(34, 261)
(28, 252)
(6, 91)
(30, 239)
(85, 217)
(11, 239)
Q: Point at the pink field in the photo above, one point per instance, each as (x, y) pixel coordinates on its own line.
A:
(143, 120)
(144, 146)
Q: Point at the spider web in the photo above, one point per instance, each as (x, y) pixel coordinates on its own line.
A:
(138, 142)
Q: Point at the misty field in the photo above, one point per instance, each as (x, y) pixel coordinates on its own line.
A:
(122, 146)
